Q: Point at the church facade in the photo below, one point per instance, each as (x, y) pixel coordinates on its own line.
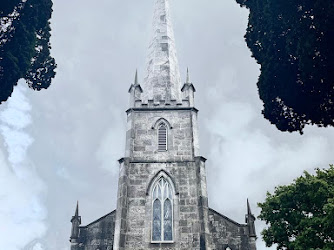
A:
(162, 198)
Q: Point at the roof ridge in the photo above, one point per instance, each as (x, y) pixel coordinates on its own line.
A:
(227, 218)
(99, 219)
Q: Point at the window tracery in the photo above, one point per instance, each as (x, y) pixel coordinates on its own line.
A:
(162, 212)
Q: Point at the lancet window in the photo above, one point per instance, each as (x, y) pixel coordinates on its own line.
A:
(162, 136)
(162, 212)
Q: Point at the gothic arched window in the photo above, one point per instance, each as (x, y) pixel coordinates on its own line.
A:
(162, 212)
(162, 137)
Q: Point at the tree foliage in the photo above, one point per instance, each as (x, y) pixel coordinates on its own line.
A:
(293, 41)
(301, 215)
(25, 45)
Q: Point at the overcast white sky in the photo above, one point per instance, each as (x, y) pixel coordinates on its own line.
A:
(62, 145)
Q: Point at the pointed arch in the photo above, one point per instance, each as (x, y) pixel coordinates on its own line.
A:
(159, 122)
(162, 126)
(162, 137)
(162, 193)
(167, 176)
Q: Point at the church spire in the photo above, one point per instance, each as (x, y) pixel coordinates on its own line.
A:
(250, 220)
(188, 90)
(135, 91)
(162, 81)
(249, 211)
(188, 76)
(77, 210)
(136, 77)
(76, 222)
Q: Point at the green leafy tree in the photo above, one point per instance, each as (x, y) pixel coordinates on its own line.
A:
(25, 45)
(301, 215)
(293, 41)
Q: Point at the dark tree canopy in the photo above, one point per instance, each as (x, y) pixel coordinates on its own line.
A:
(25, 45)
(301, 215)
(293, 41)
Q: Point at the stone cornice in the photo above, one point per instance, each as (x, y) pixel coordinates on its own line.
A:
(129, 160)
(161, 109)
(201, 158)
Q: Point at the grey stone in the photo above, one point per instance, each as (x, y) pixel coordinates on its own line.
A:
(194, 225)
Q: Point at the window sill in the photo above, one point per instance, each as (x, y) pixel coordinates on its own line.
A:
(162, 242)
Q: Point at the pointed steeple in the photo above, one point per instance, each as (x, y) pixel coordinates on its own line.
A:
(250, 220)
(163, 81)
(188, 90)
(188, 77)
(77, 210)
(136, 77)
(76, 222)
(249, 211)
(135, 91)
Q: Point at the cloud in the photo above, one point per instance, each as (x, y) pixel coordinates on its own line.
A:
(78, 129)
(22, 212)
(112, 144)
(246, 161)
(14, 118)
(38, 246)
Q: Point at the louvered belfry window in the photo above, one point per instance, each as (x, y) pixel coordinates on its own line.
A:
(162, 137)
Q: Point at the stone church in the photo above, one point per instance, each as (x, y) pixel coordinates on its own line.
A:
(162, 198)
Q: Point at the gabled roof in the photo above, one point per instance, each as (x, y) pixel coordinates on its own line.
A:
(98, 220)
(228, 219)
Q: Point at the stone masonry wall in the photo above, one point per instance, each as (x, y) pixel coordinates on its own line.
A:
(227, 233)
(99, 234)
(136, 204)
(142, 141)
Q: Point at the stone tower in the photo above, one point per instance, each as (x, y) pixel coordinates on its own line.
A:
(162, 194)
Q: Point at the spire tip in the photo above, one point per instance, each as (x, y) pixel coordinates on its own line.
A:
(188, 76)
(249, 211)
(77, 209)
(136, 77)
